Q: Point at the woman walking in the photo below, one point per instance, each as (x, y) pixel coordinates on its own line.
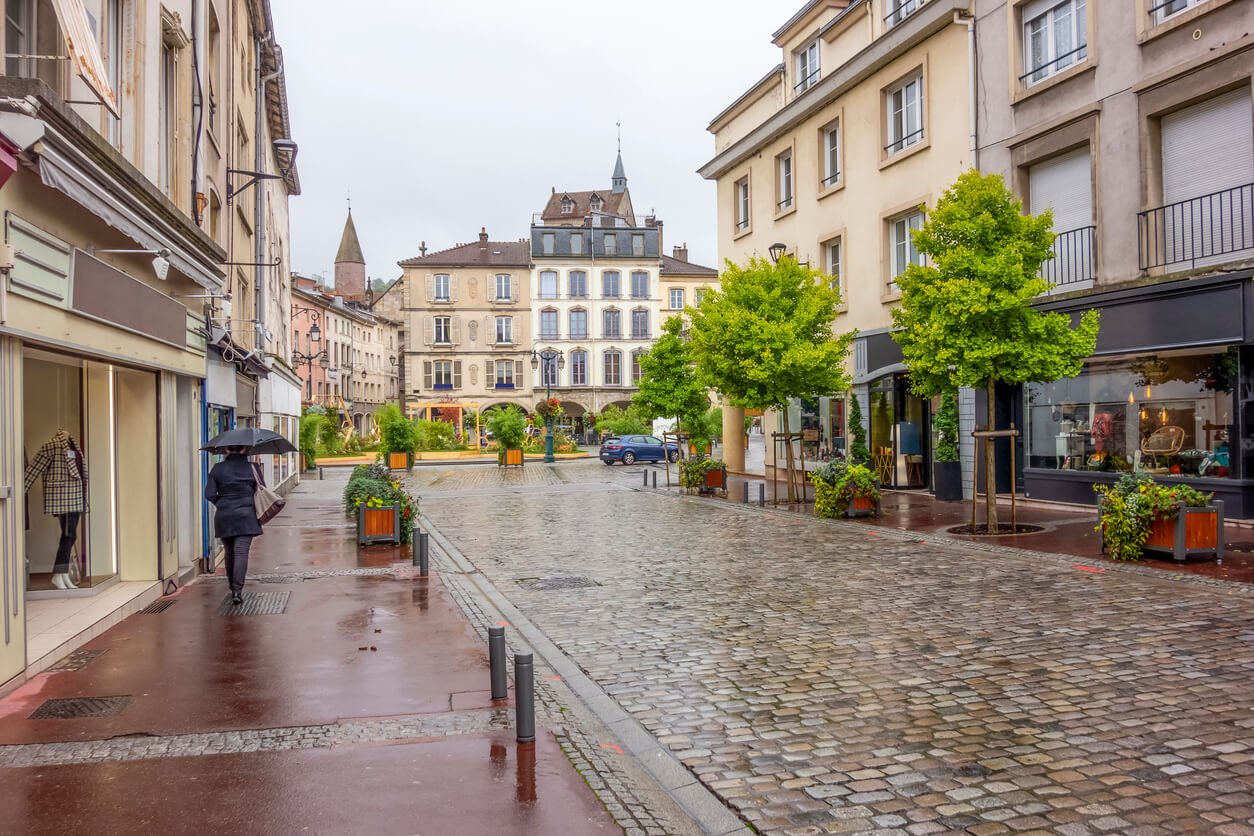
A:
(230, 487)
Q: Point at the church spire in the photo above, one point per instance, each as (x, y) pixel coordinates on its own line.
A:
(350, 247)
(619, 179)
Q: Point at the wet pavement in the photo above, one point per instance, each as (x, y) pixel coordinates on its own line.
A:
(358, 704)
(828, 677)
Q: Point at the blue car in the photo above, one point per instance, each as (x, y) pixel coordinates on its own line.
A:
(630, 449)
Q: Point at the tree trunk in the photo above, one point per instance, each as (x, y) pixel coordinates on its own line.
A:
(792, 494)
(990, 460)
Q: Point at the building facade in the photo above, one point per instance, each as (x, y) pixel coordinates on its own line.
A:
(466, 313)
(835, 154)
(1132, 122)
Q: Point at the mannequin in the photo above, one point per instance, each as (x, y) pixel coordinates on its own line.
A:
(63, 467)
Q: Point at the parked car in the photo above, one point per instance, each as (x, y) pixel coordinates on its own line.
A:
(630, 449)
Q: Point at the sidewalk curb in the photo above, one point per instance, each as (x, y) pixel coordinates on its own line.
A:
(673, 778)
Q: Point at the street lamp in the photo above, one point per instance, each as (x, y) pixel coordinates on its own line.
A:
(554, 357)
(777, 251)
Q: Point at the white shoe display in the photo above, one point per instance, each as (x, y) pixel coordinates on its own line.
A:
(61, 580)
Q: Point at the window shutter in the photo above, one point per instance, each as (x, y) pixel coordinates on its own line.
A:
(489, 329)
(426, 374)
(457, 374)
(1064, 184)
(430, 287)
(489, 375)
(452, 288)
(1194, 138)
(518, 373)
(514, 281)
(491, 294)
(428, 330)
(456, 327)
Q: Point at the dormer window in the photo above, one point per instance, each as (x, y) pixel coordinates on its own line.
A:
(595, 203)
(807, 68)
(568, 205)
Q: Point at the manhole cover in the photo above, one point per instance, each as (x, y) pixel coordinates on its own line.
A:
(256, 603)
(558, 582)
(75, 707)
(160, 605)
(76, 661)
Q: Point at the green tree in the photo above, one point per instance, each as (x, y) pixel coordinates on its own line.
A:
(765, 338)
(395, 430)
(966, 318)
(669, 386)
(858, 452)
(946, 425)
(618, 421)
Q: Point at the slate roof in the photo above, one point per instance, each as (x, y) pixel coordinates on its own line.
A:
(477, 253)
(673, 266)
(610, 205)
(350, 247)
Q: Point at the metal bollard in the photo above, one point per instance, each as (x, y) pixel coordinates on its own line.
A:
(321, 474)
(655, 480)
(645, 483)
(524, 698)
(762, 495)
(496, 662)
(413, 544)
(746, 484)
(424, 553)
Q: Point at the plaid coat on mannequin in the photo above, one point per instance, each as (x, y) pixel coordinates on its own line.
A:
(65, 480)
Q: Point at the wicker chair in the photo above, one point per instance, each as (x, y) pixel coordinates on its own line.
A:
(1164, 441)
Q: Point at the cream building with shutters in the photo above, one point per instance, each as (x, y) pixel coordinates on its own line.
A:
(467, 311)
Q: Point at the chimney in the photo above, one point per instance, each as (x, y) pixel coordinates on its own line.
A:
(681, 253)
(661, 247)
(483, 238)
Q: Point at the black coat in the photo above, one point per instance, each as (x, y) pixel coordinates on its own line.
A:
(230, 487)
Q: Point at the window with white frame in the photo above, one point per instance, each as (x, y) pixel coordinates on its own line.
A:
(611, 243)
(742, 203)
(899, 10)
(637, 373)
(639, 325)
(639, 285)
(783, 176)
(613, 368)
(548, 284)
(807, 59)
(441, 291)
(504, 374)
(548, 372)
(549, 241)
(504, 286)
(579, 324)
(576, 243)
(611, 324)
(831, 262)
(443, 330)
(548, 325)
(443, 370)
(1162, 10)
(504, 330)
(831, 155)
(578, 284)
(677, 298)
(1054, 37)
(595, 203)
(904, 111)
(609, 284)
(568, 205)
(698, 296)
(168, 149)
(579, 368)
(901, 242)
(637, 245)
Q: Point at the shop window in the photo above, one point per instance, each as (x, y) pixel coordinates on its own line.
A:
(1169, 414)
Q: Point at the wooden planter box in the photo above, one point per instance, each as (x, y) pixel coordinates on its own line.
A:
(513, 457)
(863, 506)
(400, 461)
(379, 525)
(1192, 531)
(715, 480)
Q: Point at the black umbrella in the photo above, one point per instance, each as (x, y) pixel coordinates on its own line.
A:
(257, 441)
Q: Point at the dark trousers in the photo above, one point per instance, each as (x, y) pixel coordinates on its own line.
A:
(69, 534)
(237, 560)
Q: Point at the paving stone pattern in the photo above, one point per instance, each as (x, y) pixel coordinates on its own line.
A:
(823, 678)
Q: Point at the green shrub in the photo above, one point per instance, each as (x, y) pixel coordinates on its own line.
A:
(1130, 507)
(311, 424)
(372, 486)
(858, 452)
(434, 435)
(837, 483)
(509, 426)
(692, 471)
(396, 432)
(618, 421)
(946, 423)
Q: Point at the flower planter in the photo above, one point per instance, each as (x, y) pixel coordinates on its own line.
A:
(400, 461)
(378, 525)
(513, 457)
(863, 506)
(947, 479)
(715, 480)
(1191, 531)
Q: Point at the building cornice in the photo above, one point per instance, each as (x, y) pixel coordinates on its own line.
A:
(757, 91)
(914, 30)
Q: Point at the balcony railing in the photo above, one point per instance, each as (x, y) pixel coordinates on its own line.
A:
(1198, 232)
(1075, 258)
(899, 10)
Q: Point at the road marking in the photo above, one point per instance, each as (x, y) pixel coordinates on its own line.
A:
(611, 746)
(1089, 569)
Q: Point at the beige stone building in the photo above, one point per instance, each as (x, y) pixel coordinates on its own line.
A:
(466, 314)
(682, 283)
(834, 154)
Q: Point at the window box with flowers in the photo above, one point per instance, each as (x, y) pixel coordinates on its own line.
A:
(1140, 515)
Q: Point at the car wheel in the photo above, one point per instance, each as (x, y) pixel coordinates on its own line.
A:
(673, 456)
(629, 457)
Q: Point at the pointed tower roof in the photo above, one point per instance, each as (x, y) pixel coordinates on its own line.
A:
(619, 180)
(350, 247)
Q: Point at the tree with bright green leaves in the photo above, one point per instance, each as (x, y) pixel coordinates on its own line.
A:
(764, 338)
(966, 317)
(669, 387)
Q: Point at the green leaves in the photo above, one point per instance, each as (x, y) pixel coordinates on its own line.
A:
(669, 386)
(765, 336)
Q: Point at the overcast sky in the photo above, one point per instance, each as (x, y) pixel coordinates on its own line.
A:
(444, 117)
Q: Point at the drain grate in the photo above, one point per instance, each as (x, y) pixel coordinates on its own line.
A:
(160, 605)
(75, 707)
(76, 661)
(554, 582)
(256, 603)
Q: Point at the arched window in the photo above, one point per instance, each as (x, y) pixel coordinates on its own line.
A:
(611, 324)
(578, 324)
(568, 206)
(548, 324)
(640, 324)
(613, 368)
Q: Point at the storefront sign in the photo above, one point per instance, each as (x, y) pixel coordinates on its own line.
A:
(103, 292)
(219, 381)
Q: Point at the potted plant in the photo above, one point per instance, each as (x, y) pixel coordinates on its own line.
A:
(847, 490)
(1138, 514)
(947, 472)
(703, 475)
(858, 452)
(398, 437)
(509, 426)
(385, 511)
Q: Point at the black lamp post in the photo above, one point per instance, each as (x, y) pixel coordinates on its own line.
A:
(298, 356)
(777, 251)
(554, 357)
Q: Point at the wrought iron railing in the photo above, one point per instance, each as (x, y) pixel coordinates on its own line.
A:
(900, 10)
(1075, 258)
(1200, 231)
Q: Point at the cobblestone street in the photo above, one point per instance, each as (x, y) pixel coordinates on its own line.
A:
(823, 677)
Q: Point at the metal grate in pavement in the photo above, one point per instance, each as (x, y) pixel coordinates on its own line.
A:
(76, 661)
(75, 707)
(256, 603)
(160, 605)
(556, 582)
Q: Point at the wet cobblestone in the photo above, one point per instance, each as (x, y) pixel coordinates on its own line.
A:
(822, 677)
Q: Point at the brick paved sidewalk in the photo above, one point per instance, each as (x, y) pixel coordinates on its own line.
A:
(359, 706)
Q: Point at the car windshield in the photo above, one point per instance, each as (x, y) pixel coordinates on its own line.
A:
(613, 440)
